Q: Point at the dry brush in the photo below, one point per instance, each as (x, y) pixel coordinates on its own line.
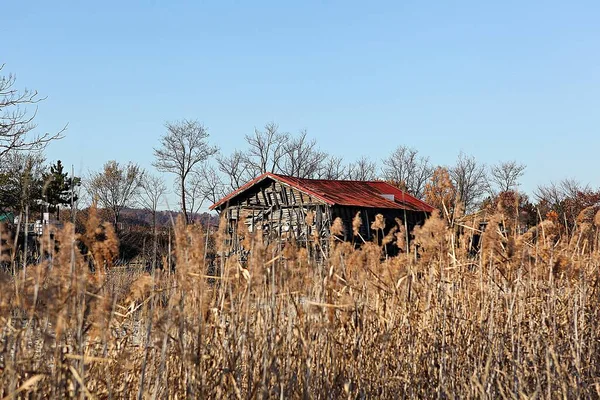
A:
(517, 320)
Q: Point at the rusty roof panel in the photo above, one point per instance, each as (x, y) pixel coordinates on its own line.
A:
(368, 194)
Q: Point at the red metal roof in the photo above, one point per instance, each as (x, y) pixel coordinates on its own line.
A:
(342, 192)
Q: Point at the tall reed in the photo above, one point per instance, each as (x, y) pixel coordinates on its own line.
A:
(518, 320)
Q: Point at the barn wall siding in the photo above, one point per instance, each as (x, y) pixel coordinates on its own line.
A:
(281, 212)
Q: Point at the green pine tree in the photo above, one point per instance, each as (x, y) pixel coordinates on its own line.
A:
(58, 188)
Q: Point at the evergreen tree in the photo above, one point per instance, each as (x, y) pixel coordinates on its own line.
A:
(59, 187)
(21, 182)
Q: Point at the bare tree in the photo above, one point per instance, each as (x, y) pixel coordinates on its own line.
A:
(152, 191)
(362, 169)
(195, 189)
(235, 169)
(302, 158)
(204, 184)
(266, 150)
(181, 149)
(555, 193)
(505, 175)
(566, 198)
(572, 187)
(16, 122)
(551, 194)
(115, 187)
(213, 189)
(470, 179)
(405, 167)
(332, 168)
(272, 151)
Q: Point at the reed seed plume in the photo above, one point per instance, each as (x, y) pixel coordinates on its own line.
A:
(587, 215)
(378, 223)
(445, 310)
(337, 228)
(400, 235)
(356, 224)
(310, 218)
(597, 219)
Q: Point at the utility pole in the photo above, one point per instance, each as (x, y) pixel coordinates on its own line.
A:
(72, 194)
(26, 232)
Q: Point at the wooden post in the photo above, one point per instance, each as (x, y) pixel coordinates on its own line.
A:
(26, 235)
(368, 225)
(169, 250)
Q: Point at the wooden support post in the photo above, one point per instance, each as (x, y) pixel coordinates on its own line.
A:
(368, 225)
(237, 222)
(290, 210)
(264, 195)
(303, 218)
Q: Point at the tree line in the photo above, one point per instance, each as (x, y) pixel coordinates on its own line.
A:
(204, 174)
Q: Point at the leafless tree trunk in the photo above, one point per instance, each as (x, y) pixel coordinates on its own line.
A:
(181, 149)
(153, 190)
(406, 168)
(195, 190)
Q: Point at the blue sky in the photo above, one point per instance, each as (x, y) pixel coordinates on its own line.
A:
(498, 80)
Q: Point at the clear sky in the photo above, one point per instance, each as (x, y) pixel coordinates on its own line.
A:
(498, 80)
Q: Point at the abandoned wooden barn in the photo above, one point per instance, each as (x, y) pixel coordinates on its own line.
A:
(284, 207)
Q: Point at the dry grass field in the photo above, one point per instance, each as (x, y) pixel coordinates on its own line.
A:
(517, 320)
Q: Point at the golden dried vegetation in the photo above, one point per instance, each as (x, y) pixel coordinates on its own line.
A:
(519, 319)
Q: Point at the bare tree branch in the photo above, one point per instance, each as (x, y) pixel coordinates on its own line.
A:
(556, 193)
(362, 169)
(213, 189)
(235, 168)
(302, 158)
(16, 122)
(115, 187)
(266, 150)
(194, 194)
(152, 191)
(405, 167)
(470, 179)
(181, 149)
(505, 175)
(332, 168)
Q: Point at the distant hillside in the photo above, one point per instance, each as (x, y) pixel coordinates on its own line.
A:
(143, 217)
